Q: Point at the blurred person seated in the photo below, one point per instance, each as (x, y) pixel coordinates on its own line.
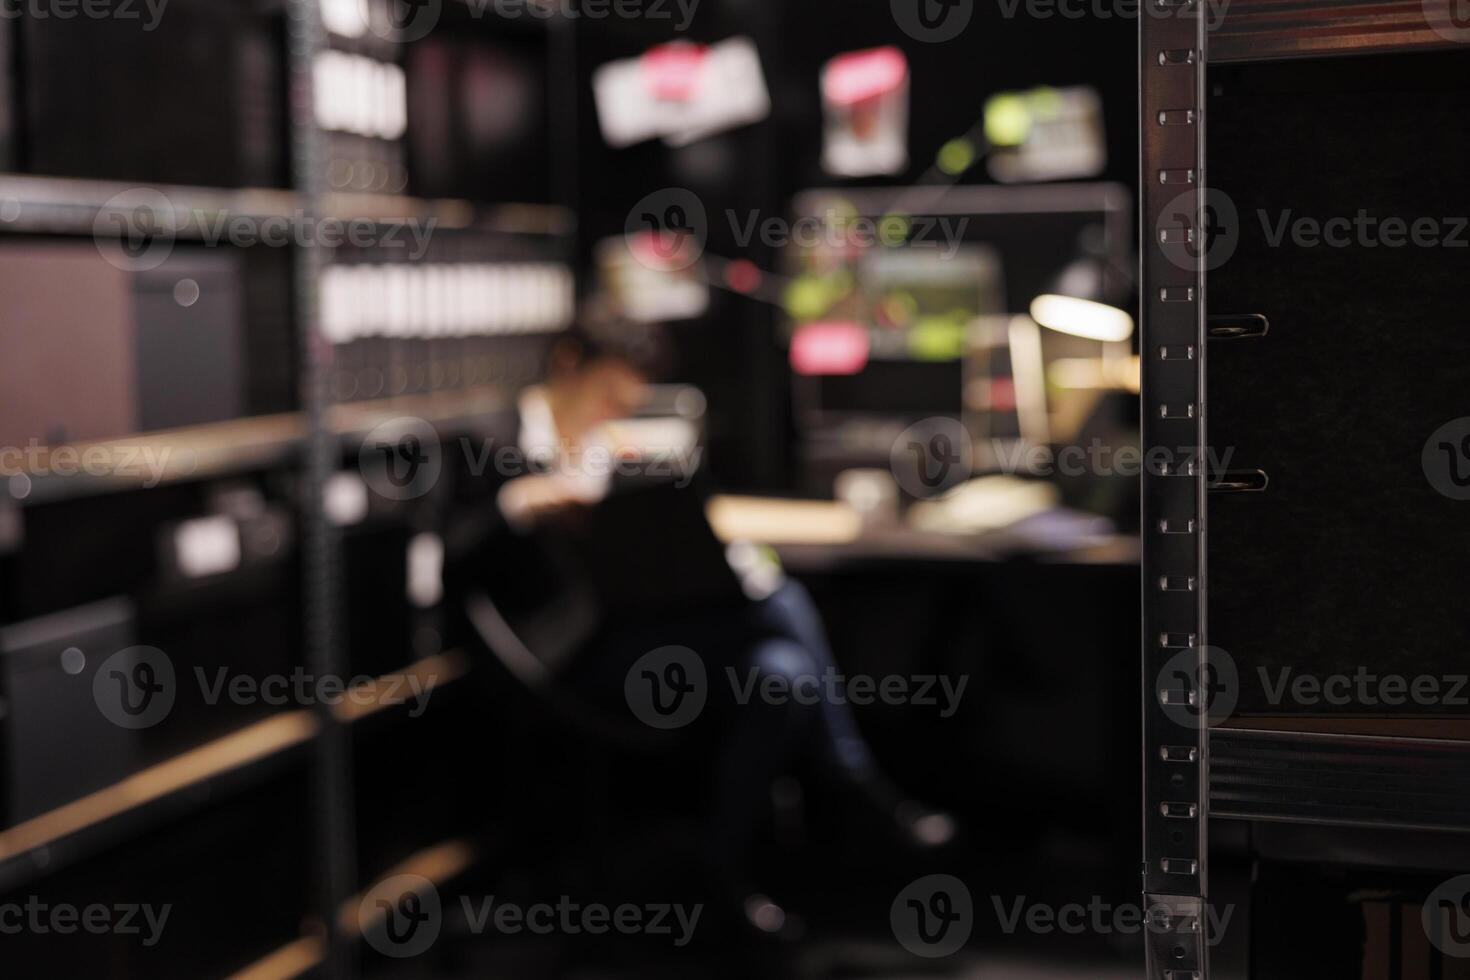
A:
(597, 374)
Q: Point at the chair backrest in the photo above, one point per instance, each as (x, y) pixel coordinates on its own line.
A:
(537, 655)
(540, 645)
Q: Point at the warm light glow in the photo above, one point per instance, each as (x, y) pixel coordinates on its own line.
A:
(1081, 317)
(1075, 373)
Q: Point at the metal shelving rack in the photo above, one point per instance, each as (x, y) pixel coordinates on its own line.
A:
(1172, 340)
(333, 826)
(1178, 41)
(329, 428)
(311, 442)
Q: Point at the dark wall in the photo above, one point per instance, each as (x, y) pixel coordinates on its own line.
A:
(732, 352)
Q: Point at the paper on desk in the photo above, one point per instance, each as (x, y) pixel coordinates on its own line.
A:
(983, 504)
(771, 520)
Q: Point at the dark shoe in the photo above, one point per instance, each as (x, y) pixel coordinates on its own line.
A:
(924, 828)
(916, 826)
(768, 918)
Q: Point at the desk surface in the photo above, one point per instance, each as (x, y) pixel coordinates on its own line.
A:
(817, 534)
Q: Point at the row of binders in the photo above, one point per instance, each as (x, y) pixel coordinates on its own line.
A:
(445, 299)
(356, 94)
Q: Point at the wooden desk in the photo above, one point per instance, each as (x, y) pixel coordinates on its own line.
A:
(819, 535)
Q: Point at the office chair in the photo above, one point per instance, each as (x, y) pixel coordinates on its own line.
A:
(616, 751)
(535, 667)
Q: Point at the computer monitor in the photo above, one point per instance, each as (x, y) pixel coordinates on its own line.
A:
(909, 303)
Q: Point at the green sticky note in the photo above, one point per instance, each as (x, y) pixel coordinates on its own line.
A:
(1007, 119)
(937, 338)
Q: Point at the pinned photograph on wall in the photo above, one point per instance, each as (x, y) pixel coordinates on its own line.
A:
(865, 108)
(829, 347)
(680, 92)
(1045, 134)
(653, 276)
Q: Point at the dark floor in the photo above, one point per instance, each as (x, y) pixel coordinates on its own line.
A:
(843, 894)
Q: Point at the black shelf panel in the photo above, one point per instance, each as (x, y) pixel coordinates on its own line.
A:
(177, 786)
(71, 206)
(169, 790)
(289, 961)
(237, 446)
(1345, 780)
(1265, 30)
(437, 864)
(394, 690)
